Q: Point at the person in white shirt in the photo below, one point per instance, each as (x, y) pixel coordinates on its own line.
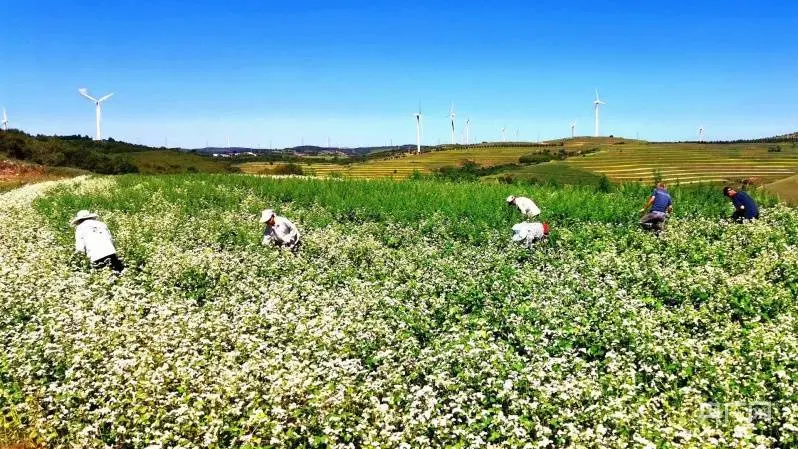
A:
(525, 205)
(279, 231)
(93, 238)
(528, 233)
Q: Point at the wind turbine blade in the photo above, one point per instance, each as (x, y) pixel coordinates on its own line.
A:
(106, 97)
(597, 97)
(85, 93)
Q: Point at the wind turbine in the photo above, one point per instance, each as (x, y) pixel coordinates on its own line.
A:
(700, 133)
(596, 104)
(504, 136)
(4, 122)
(97, 103)
(516, 134)
(573, 125)
(467, 126)
(418, 130)
(452, 116)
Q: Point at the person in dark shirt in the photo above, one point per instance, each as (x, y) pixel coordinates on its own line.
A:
(744, 206)
(661, 205)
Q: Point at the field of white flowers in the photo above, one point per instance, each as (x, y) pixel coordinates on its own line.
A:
(391, 330)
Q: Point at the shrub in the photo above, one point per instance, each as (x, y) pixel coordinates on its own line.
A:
(604, 184)
(536, 158)
(288, 169)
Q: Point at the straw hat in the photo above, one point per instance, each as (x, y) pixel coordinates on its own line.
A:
(266, 215)
(82, 215)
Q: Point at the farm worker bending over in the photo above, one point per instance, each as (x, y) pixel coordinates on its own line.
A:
(744, 205)
(93, 238)
(528, 233)
(525, 205)
(661, 205)
(279, 231)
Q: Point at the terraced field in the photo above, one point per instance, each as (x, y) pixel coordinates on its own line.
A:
(690, 163)
(621, 160)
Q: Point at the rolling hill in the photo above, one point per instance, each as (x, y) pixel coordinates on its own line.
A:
(105, 157)
(586, 159)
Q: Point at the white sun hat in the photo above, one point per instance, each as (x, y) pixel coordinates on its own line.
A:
(510, 199)
(266, 215)
(82, 215)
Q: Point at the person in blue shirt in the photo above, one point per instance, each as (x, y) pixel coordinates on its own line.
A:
(744, 206)
(661, 206)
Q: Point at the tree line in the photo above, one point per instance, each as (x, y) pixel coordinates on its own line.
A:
(104, 157)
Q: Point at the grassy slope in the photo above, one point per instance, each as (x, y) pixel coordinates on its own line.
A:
(551, 172)
(619, 159)
(404, 165)
(164, 161)
(786, 189)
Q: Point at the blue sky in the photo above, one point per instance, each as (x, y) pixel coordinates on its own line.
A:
(279, 73)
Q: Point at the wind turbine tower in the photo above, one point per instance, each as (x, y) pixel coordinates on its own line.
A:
(4, 122)
(452, 116)
(700, 133)
(504, 136)
(467, 126)
(573, 125)
(596, 104)
(418, 130)
(97, 103)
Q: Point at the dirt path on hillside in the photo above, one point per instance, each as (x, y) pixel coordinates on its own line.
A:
(24, 196)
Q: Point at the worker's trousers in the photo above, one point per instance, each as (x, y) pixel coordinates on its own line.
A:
(739, 216)
(109, 261)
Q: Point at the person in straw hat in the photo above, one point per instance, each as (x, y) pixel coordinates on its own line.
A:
(93, 238)
(524, 204)
(279, 231)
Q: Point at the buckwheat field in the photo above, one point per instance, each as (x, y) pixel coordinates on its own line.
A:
(408, 319)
